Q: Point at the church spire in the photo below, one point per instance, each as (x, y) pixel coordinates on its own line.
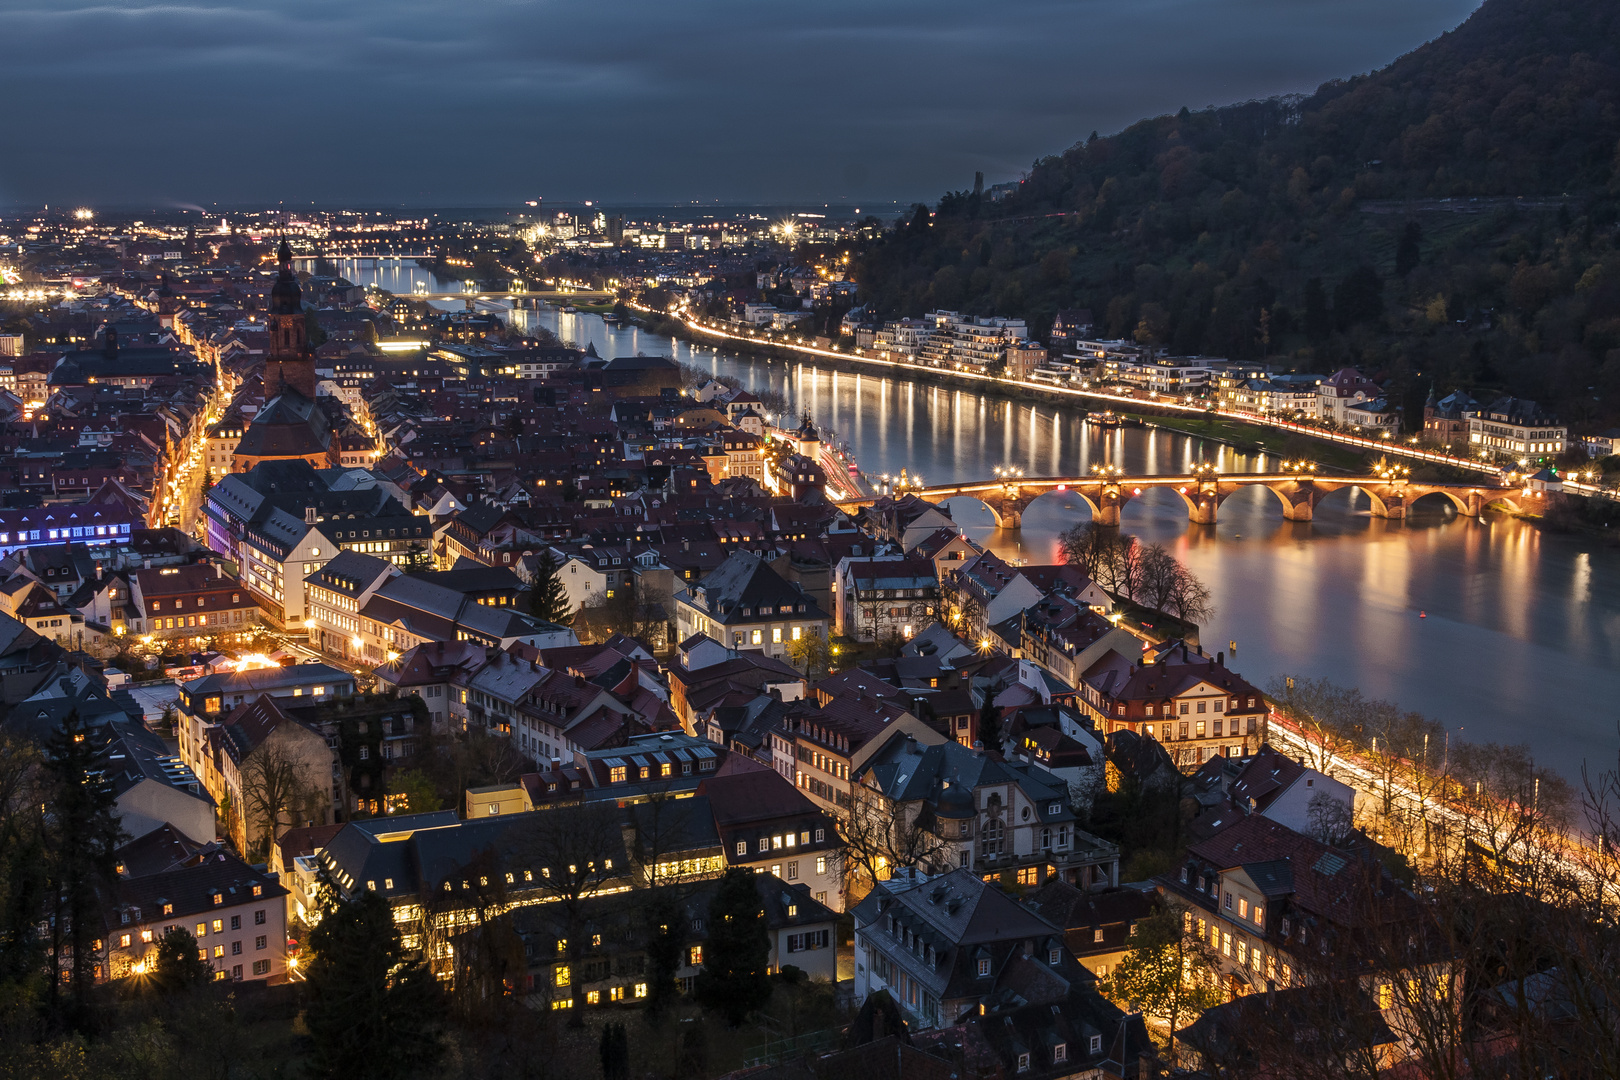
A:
(291, 365)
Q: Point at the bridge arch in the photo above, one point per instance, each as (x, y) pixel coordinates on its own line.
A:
(1509, 499)
(983, 498)
(1446, 493)
(1065, 491)
(1328, 491)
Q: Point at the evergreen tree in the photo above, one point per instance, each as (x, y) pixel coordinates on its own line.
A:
(82, 834)
(371, 1012)
(24, 870)
(1409, 251)
(1318, 324)
(664, 945)
(547, 597)
(735, 960)
(990, 723)
(179, 965)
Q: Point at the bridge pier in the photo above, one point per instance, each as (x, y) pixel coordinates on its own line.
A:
(1203, 506)
(1391, 506)
(1107, 512)
(1300, 511)
(1010, 518)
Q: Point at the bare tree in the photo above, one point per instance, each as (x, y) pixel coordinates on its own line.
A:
(881, 835)
(1157, 575)
(278, 789)
(1328, 817)
(1318, 708)
(1189, 598)
(569, 855)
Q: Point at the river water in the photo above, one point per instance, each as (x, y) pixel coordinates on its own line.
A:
(1501, 631)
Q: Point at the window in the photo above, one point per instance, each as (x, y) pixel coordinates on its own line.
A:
(984, 966)
(219, 952)
(261, 967)
(821, 864)
(1285, 928)
(1228, 902)
(236, 922)
(764, 843)
(1243, 908)
(616, 774)
(1096, 1044)
(202, 928)
(236, 948)
(1060, 1052)
(123, 941)
(1054, 957)
(258, 916)
(742, 848)
(1259, 915)
(561, 977)
(1023, 1063)
(1097, 934)
(821, 835)
(694, 956)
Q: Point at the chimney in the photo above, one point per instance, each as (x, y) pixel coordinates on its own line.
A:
(1271, 993)
(1220, 658)
(98, 571)
(309, 515)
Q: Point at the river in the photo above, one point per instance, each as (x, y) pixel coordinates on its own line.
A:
(1501, 631)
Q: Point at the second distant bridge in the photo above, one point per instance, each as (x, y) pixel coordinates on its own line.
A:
(1390, 493)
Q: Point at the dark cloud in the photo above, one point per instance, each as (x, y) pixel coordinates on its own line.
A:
(481, 101)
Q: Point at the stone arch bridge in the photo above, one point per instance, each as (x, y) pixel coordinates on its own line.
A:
(1204, 492)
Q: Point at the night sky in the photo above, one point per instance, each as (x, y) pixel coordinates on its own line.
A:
(486, 102)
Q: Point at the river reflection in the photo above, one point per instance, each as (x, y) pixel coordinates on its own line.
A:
(1502, 632)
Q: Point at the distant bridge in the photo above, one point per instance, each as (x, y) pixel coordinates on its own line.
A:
(1203, 491)
(588, 296)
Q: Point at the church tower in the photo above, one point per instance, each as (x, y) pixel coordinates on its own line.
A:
(291, 365)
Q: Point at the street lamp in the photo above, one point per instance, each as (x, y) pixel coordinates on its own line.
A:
(1298, 467)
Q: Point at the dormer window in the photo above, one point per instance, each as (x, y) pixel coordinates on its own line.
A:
(1060, 1052)
(1096, 1044)
(984, 967)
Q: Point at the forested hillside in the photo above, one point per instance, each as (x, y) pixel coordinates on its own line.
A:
(1450, 218)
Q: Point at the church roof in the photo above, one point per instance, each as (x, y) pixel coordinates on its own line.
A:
(291, 425)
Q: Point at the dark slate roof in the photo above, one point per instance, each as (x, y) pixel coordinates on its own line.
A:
(290, 426)
(192, 889)
(745, 580)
